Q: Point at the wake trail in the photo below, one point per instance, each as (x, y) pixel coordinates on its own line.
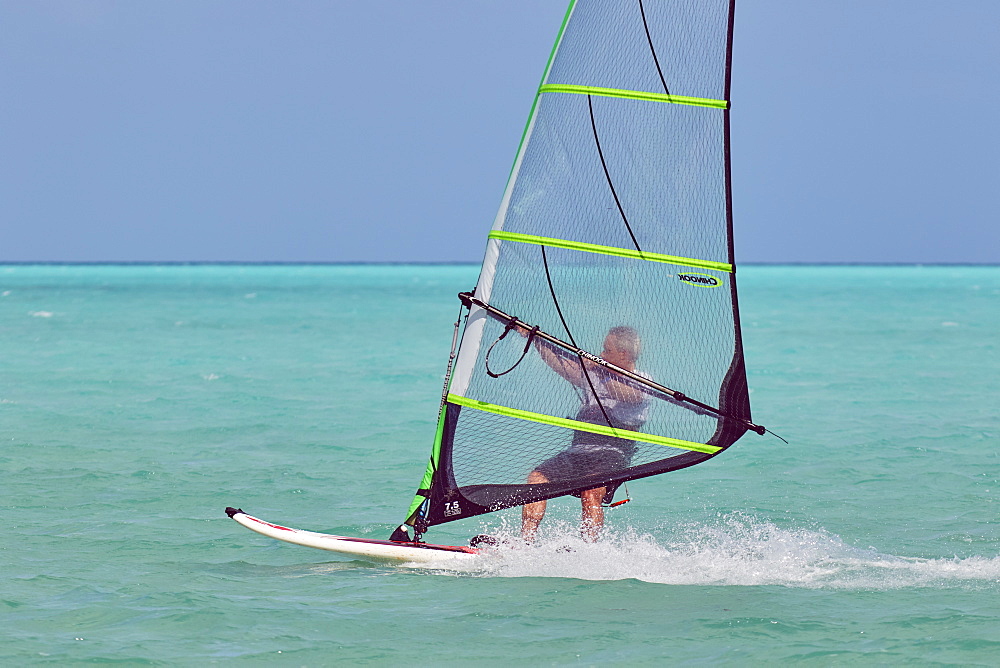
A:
(737, 550)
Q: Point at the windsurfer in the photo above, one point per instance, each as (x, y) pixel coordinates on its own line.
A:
(626, 407)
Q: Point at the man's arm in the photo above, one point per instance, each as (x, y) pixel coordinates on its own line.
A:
(570, 369)
(624, 392)
(564, 366)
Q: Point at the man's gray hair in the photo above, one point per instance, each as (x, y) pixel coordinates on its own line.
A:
(628, 339)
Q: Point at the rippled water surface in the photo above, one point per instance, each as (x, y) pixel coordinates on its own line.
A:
(137, 402)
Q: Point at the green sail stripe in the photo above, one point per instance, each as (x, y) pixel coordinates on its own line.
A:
(581, 426)
(610, 250)
(432, 466)
(634, 95)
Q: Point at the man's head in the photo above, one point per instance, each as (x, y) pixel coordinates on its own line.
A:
(622, 346)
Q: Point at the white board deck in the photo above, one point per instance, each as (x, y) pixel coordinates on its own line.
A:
(382, 551)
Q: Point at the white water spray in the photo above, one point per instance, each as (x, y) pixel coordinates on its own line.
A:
(735, 550)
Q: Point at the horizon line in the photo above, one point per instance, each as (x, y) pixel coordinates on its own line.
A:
(280, 263)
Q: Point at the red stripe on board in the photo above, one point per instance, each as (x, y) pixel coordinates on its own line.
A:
(423, 546)
(273, 526)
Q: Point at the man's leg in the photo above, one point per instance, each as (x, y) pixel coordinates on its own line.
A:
(593, 514)
(532, 513)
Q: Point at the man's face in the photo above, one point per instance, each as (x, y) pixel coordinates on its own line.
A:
(614, 353)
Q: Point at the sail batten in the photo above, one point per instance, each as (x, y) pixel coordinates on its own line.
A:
(581, 426)
(615, 226)
(608, 250)
(634, 95)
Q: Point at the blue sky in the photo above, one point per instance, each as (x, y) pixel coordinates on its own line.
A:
(863, 130)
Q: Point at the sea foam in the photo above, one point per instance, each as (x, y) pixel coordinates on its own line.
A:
(736, 550)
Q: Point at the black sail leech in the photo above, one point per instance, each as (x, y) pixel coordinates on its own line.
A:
(652, 50)
(555, 300)
(607, 174)
(583, 364)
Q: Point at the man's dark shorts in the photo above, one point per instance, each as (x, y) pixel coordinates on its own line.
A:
(608, 454)
(570, 464)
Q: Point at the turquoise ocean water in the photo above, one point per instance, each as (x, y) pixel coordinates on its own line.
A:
(137, 402)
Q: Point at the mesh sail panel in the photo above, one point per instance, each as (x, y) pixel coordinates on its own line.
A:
(665, 161)
(605, 44)
(616, 215)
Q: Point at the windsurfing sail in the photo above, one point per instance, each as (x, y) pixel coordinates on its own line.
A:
(615, 224)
